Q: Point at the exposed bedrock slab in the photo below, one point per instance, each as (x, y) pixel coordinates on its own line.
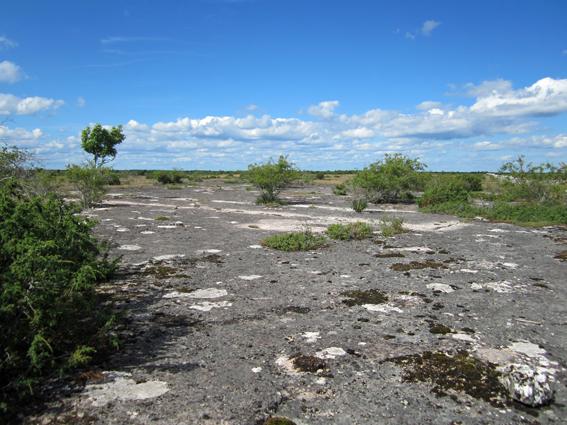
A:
(237, 332)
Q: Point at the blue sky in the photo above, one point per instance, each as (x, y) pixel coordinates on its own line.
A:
(219, 84)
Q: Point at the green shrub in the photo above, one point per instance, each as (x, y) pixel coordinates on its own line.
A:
(271, 178)
(351, 231)
(392, 226)
(90, 181)
(169, 177)
(113, 179)
(340, 189)
(389, 180)
(295, 241)
(320, 176)
(51, 317)
(443, 189)
(359, 205)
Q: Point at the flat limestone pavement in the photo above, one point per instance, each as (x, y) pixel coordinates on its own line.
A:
(452, 322)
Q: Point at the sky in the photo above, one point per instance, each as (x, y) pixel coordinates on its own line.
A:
(333, 84)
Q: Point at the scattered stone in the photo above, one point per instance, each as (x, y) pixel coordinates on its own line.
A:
(119, 386)
(310, 337)
(440, 287)
(250, 277)
(130, 247)
(255, 246)
(168, 257)
(383, 308)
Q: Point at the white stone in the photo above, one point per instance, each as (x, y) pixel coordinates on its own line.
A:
(208, 293)
(255, 246)
(463, 337)
(528, 384)
(167, 257)
(256, 369)
(167, 226)
(118, 386)
(130, 247)
(250, 277)
(213, 251)
(311, 337)
(330, 353)
(147, 232)
(441, 287)
(382, 308)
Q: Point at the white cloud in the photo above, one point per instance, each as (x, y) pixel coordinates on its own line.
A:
(19, 136)
(428, 27)
(487, 88)
(324, 109)
(252, 107)
(10, 72)
(6, 43)
(545, 97)
(359, 133)
(81, 102)
(13, 105)
(428, 104)
(135, 39)
(487, 146)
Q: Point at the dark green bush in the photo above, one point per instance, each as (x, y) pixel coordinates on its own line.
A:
(320, 176)
(113, 179)
(50, 315)
(169, 177)
(295, 241)
(271, 178)
(443, 189)
(351, 231)
(390, 180)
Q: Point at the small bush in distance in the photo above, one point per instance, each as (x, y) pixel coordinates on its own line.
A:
(295, 241)
(350, 231)
(389, 180)
(320, 176)
(340, 189)
(359, 205)
(392, 226)
(89, 181)
(443, 189)
(271, 178)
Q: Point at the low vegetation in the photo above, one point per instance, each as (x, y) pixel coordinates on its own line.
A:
(359, 205)
(392, 226)
(295, 241)
(351, 231)
(523, 193)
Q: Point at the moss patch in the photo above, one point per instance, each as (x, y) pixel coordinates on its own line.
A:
(161, 218)
(309, 364)
(371, 296)
(160, 271)
(439, 329)
(454, 372)
(417, 265)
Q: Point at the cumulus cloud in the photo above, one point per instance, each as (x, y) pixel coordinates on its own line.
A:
(324, 109)
(13, 105)
(545, 97)
(10, 72)
(81, 102)
(487, 146)
(19, 136)
(6, 43)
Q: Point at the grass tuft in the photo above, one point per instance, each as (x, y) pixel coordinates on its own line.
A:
(351, 231)
(295, 241)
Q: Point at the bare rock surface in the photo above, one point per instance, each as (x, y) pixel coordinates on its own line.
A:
(451, 323)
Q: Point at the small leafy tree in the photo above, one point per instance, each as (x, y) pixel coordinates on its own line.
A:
(389, 180)
(101, 143)
(271, 178)
(13, 162)
(91, 178)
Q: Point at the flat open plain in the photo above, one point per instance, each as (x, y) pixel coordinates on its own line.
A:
(414, 329)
